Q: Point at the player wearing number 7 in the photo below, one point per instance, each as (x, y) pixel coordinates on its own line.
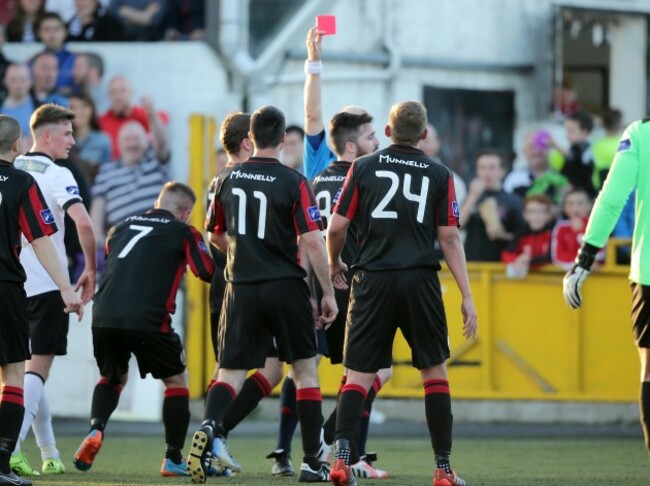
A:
(400, 200)
(631, 167)
(146, 257)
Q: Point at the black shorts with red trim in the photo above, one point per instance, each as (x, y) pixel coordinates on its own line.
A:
(160, 354)
(261, 316)
(48, 323)
(14, 328)
(641, 314)
(382, 302)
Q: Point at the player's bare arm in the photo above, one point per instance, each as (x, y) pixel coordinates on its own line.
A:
(86, 235)
(336, 235)
(306, 265)
(452, 249)
(46, 254)
(315, 247)
(313, 105)
(98, 217)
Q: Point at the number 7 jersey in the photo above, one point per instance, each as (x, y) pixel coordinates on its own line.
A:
(263, 206)
(397, 197)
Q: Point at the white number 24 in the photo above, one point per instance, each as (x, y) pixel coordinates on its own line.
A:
(381, 212)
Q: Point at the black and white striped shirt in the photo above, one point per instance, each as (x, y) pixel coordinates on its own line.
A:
(130, 190)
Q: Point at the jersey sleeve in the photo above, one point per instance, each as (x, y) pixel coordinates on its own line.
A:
(619, 184)
(348, 201)
(197, 255)
(34, 217)
(306, 215)
(317, 155)
(65, 189)
(447, 211)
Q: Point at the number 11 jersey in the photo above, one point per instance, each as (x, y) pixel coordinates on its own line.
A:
(263, 206)
(397, 197)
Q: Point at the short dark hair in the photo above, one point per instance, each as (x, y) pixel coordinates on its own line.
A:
(490, 152)
(43, 54)
(175, 187)
(94, 61)
(48, 16)
(295, 129)
(49, 114)
(576, 190)
(584, 120)
(407, 121)
(612, 119)
(9, 132)
(346, 127)
(267, 127)
(234, 129)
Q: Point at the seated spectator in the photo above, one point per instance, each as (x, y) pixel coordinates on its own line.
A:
(431, 147)
(143, 20)
(538, 177)
(131, 184)
(604, 149)
(51, 31)
(531, 247)
(22, 26)
(567, 235)
(4, 63)
(19, 103)
(122, 110)
(87, 75)
(578, 164)
(92, 22)
(92, 147)
(186, 20)
(292, 150)
(45, 72)
(490, 215)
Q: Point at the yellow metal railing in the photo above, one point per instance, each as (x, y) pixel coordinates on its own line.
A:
(530, 345)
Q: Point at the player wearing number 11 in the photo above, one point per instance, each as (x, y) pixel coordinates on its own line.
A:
(146, 257)
(400, 200)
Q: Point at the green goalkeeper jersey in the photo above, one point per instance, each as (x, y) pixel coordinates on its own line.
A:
(631, 167)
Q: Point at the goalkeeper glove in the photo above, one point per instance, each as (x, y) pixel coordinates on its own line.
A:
(575, 278)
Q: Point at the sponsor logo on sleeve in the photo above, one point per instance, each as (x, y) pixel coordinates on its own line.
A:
(202, 247)
(337, 196)
(314, 213)
(74, 190)
(455, 209)
(624, 145)
(47, 216)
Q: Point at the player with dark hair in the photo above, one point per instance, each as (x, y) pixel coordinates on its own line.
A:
(51, 128)
(631, 167)
(23, 210)
(260, 213)
(146, 257)
(398, 191)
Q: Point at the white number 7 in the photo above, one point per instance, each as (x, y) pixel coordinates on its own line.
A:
(142, 232)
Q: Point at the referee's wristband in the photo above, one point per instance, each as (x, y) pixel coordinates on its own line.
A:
(313, 67)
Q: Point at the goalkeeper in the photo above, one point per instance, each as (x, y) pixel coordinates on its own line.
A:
(631, 167)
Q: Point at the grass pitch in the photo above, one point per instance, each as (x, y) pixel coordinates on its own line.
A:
(506, 461)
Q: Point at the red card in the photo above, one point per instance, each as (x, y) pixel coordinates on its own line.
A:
(326, 23)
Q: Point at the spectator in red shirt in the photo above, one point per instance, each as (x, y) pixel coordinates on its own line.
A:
(531, 248)
(122, 110)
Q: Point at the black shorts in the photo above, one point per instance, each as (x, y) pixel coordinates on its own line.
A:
(334, 337)
(641, 314)
(14, 329)
(258, 317)
(160, 354)
(380, 303)
(48, 323)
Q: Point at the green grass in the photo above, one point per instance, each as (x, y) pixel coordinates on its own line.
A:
(517, 462)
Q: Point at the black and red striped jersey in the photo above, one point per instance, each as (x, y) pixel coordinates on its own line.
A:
(398, 197)
(22, 210)
(327, 188)
(263, 206)
(146, 256)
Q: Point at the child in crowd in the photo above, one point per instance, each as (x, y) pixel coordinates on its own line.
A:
(567, 234)
(531, 248)
(578, 161)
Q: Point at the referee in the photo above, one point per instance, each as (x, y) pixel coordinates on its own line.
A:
(22, 210)
(630, 169)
